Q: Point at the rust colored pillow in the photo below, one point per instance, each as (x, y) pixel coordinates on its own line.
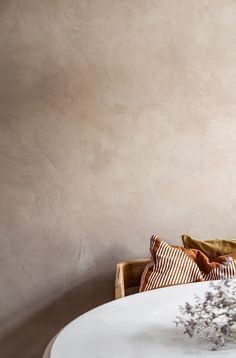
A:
(177, 265)
(211, 248)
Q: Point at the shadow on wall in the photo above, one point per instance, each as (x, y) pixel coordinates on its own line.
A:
(31, 337)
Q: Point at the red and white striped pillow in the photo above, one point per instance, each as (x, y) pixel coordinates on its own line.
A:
(176, 265)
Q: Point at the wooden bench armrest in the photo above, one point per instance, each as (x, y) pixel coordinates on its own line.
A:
(128, 274)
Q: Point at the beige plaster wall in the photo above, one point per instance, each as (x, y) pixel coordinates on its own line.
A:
(117, 120)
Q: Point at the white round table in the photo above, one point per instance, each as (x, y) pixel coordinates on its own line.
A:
(138, 326)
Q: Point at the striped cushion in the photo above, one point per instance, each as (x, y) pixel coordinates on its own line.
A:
(177, 265)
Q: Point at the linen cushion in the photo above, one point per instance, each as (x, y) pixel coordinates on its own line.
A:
(177, 265)
(211, 248)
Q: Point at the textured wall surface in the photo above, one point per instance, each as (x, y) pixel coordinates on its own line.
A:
(117, 120)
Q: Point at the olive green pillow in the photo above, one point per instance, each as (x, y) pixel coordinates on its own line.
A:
(211, 248)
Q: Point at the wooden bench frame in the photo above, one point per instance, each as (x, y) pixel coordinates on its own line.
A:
(128, 275)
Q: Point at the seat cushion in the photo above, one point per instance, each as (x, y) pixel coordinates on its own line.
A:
(177, 265)
(211, 248)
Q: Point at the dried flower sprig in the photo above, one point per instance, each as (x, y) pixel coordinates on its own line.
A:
(214, 316)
